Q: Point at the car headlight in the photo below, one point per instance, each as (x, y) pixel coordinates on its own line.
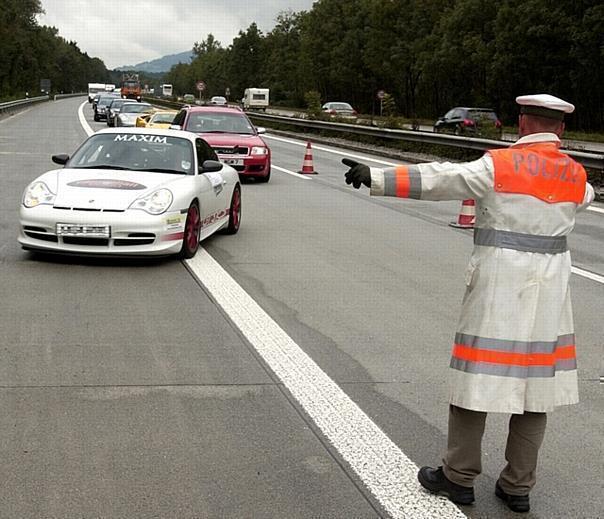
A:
(259, 150)
(157, 202)
(37, 193)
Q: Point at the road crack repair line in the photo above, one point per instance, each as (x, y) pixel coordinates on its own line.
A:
(383, 468)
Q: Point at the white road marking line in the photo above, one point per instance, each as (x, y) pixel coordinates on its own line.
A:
(299, 175)
(587, 274)
(384, 469)
(89, 131)
(335, 152)
(595, 209)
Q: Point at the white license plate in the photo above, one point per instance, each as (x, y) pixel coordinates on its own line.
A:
(91, 231)
(233, 162)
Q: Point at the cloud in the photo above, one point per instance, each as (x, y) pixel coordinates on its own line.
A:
(131, 31)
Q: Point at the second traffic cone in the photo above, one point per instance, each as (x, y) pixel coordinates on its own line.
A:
(467, 215)
(307, 167)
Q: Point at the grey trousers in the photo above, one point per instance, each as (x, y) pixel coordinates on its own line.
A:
(462, 462)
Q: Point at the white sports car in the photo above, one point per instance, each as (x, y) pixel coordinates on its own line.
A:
(132, 191)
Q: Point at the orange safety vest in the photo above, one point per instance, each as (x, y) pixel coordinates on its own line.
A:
(540, 170)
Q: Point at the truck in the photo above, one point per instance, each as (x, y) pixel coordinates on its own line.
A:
(93, 89)
(131, 87)
(255, 99)
(166, 90)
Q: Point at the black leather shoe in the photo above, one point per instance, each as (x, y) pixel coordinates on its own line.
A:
(436, 482)
(518, 504)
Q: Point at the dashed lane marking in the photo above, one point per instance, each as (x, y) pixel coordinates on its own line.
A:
(334, 151)
(595, 209)
(305, 177)
(382, 467)
(587, 274)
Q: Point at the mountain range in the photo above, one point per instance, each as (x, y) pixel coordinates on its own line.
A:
(162, 64)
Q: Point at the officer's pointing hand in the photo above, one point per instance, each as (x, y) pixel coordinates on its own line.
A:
(357, 174)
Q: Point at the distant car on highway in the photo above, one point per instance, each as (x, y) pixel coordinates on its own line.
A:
(130, 111)
(339, 109)
(218, 100)
(161, 119)
(464, 120)
(114, 109)
(102, 105)
(235, 139)
(131, 191)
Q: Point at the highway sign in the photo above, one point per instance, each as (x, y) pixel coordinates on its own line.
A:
(381, 94)
(200, 85)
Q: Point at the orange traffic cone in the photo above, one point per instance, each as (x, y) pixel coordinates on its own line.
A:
(467, 215)
(307, 167)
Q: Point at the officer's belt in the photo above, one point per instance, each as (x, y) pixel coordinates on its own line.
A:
(519, 241)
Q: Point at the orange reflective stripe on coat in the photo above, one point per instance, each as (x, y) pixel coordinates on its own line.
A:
(540, 170)
(403, 182)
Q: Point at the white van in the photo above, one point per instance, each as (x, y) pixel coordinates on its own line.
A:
(255, 98)
(93, 89)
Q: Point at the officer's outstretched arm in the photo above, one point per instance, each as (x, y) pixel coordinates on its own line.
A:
(434, 180)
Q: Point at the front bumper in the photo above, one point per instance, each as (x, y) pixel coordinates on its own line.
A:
(133, 232)
(253, 166)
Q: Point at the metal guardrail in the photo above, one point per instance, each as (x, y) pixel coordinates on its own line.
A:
(589, 160)
(19, 103)
(65, 96)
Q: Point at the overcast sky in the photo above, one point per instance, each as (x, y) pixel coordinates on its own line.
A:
(127, 32)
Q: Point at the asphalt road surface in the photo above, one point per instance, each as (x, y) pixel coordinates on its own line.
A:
(157, 388)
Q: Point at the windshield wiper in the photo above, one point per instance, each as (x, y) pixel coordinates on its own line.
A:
(162, 170)
(102, 166)
(214, 131)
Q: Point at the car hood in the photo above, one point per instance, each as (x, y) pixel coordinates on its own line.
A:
(232, 139)
(106, 189)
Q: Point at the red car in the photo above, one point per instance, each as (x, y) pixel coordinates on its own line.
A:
(233, 137)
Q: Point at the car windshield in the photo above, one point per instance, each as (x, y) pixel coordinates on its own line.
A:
(163, 118)
(482, 114)
(105, 100)
(135, 108)
(135, 151)
(213, 122)
(130, 83)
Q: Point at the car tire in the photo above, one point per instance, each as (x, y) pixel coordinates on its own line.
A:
(96, 118)
(234, 212)
(266, 178)
(190, 239)
(457, 131)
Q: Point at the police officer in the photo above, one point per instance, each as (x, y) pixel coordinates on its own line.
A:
(514, 350)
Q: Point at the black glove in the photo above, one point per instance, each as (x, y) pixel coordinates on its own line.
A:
(357, 174)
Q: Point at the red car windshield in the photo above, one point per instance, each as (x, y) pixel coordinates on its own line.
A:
(213, 122)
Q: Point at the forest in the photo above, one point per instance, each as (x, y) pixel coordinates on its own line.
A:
(428, 55)
(30, 52)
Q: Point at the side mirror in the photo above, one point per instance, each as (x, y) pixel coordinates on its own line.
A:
(210, 166)
(60, 159)
(175, 127)
(261, 130)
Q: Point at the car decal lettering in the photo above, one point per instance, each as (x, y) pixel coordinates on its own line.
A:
(153, 139)
(107, 183)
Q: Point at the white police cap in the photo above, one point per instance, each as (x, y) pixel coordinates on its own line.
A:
(544, 105)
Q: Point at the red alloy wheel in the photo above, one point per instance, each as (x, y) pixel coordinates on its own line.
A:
(234, 213)
(190, 241)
